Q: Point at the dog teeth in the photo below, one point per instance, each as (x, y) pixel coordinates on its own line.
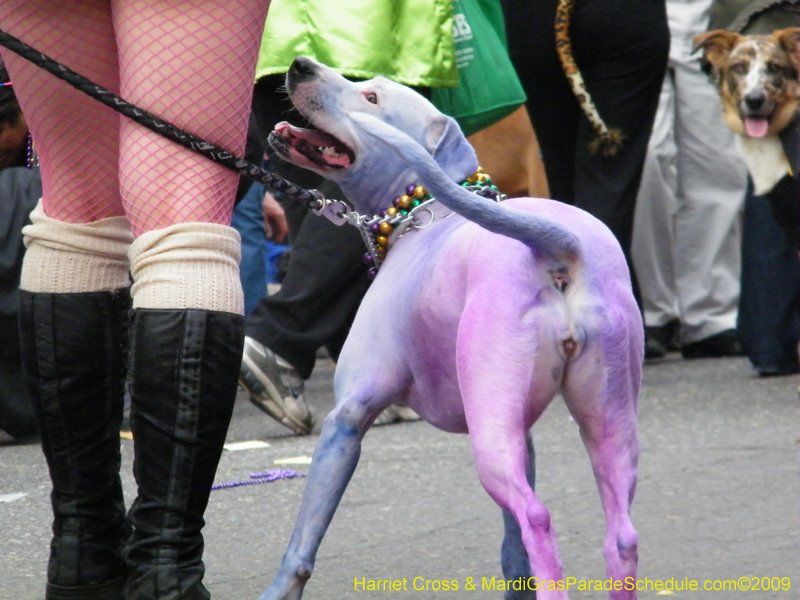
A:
(328, 150)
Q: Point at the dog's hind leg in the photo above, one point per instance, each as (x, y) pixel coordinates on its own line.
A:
(335, 459)
(513, 555)
(601, 391)
(500, 460)
(500, 347)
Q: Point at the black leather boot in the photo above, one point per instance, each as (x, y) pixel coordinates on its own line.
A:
(74, 352)
(184, 368)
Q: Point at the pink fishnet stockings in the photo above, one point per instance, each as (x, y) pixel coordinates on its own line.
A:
(77, 139)
(192, 63)
(188, 61)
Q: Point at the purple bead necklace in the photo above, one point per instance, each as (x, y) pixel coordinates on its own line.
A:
(33, 159)
(377, 231)
(265, 477)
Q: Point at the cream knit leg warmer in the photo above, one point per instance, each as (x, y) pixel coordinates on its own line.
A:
(189, 265)
(65, 258)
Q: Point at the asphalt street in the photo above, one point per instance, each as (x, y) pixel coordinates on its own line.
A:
(718, 499)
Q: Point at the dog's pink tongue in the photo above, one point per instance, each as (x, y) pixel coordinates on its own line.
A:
(756, 128)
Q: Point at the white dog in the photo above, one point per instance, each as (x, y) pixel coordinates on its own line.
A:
(476, 323)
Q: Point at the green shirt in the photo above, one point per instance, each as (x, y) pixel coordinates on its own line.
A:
(409, 41)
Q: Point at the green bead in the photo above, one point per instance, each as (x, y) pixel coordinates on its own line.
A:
(415, 203)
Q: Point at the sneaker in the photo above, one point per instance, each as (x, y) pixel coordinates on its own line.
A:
(275, 387)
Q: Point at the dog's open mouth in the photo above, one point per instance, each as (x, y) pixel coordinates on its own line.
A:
(310, 147)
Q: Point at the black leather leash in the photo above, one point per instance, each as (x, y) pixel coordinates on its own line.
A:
(210, 151)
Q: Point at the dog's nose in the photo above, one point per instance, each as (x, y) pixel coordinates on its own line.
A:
(302, 69)
(755, 100)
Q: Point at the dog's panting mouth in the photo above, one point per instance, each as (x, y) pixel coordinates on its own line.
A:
(756, 127)
(318, 147)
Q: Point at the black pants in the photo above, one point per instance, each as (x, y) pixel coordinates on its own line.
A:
(16, 411)
(769, 305)
(621, 49)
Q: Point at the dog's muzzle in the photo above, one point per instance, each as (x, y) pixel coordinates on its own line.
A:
(301, 71)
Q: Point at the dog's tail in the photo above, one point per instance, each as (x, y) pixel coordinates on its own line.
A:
(543, 235)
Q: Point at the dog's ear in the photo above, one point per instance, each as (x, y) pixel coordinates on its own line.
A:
(789, 39)
(716, 45)
(446, 142)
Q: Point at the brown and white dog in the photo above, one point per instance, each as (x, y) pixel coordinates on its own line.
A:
(757, 80)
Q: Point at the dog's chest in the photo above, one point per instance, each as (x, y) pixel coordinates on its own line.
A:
(766, 161)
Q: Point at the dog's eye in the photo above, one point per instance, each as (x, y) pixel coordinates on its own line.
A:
(774, 67)
(739, 68)
(371, 97)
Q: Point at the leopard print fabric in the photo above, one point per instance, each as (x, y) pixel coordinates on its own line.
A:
(608, 141)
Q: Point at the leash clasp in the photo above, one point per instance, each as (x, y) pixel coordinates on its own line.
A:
(334, 210)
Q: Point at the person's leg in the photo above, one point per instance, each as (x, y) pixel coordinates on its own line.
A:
(319, 297)
(653, 236)
(552, 107)
(707, 223)
(21, 190)
(74, 348)
(769, 317)
(73, 298)
(192, 63)
(16, 410)
(248, 220)
(76, 138)
(623, 57)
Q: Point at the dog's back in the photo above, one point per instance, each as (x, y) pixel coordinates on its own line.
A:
(469, 285)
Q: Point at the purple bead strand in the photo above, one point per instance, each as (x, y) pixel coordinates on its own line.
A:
(265, 477)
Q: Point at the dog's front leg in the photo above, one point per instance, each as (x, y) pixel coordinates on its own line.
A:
(513, 555)
(335, 460)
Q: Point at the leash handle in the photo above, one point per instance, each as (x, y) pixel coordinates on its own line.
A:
(211, 151)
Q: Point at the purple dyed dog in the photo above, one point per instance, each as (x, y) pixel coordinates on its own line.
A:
(476, 320)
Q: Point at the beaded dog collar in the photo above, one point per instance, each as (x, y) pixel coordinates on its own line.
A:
(405, 213)
(410, 211)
